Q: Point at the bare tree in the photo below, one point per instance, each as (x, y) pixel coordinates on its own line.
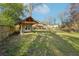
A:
(74, 11)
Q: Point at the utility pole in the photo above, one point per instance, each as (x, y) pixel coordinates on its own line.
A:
(49, 20)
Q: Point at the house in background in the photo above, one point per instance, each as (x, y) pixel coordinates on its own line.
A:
(29, 24)
(26, 25)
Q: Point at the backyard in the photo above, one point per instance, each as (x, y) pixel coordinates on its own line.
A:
(41, 44)
(39, 29)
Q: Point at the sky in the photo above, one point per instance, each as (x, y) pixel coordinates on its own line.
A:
(43, 11)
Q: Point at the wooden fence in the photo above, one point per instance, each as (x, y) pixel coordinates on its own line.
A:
(4, 31)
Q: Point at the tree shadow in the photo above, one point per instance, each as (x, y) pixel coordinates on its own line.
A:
(73, 39)
(48, 44)
(64, 46)
(8, 45)
(38, 48)
(42, 46)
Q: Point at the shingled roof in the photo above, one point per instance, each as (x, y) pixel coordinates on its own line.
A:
(27, 19)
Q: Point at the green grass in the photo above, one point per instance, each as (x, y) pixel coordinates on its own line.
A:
(42, 44)
(72, 38)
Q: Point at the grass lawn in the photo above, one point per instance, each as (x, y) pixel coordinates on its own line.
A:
(42, 44)
(72, 38)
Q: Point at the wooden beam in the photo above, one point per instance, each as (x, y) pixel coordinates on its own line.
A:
(21, 30)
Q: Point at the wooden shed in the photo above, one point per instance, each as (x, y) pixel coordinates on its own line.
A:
(26, 24)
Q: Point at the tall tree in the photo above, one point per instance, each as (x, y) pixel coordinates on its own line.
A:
(10, 13)
(74, 12)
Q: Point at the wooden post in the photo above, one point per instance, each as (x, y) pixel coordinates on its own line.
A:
(21, 30)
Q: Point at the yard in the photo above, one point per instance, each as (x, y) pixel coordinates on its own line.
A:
(41, 44)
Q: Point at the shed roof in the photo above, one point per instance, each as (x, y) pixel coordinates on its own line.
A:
(27, 20)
